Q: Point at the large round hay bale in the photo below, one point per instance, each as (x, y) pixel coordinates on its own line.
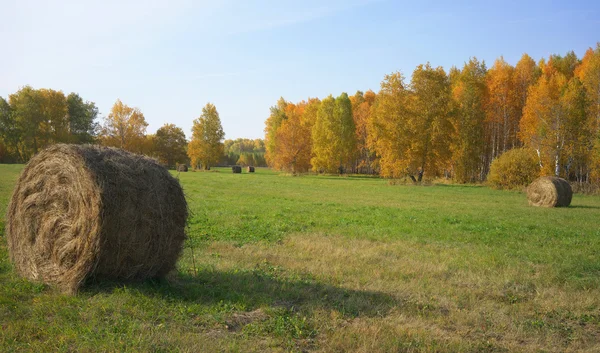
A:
(250, 169)
(236, 169)
(182, 168)
(549, 192)
(84, 211)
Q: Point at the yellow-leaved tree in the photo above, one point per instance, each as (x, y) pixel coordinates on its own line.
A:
(276, 118)
(588, 73)
(206, 147)
(469, 92)
(555, 123)
(429, 124)
(387, 128)
(334, 136)
(124, 127)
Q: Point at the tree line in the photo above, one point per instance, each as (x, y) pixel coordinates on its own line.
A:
(449, 124)
(32, 119)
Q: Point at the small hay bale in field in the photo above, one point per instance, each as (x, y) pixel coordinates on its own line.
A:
(236, 169)
(549, 192)
(250, 169)
(182, 168)
(85, 211)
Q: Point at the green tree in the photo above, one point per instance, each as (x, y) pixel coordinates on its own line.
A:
(27, 120)
(82, 119)
(10, 134)
(170, 145)
(206, 147)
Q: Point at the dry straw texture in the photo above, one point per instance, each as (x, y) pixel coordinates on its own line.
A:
(250, 169)
(182, 168)
(85, 211)
(549, 192)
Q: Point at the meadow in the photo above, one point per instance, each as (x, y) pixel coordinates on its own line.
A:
(276, 263)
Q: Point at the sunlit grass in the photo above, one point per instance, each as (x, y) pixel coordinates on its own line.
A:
(281, 263)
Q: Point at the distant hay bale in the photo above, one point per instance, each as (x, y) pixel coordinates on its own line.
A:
(79, 212)
(549, 192)
(182, 168)
(250, 169)
(236, 169)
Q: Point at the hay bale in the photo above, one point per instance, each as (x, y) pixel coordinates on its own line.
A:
(549, 192)
(84, 211)
(182, 168)
(236, 169)
(250, 169)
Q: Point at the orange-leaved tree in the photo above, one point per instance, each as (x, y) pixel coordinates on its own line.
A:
(361, 112)
(293, 149)
(502, 118)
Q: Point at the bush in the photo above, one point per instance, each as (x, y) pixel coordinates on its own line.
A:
(514, 169)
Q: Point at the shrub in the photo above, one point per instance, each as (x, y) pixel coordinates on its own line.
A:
(514, 169)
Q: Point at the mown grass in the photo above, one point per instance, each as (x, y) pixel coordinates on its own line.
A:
(280, 263)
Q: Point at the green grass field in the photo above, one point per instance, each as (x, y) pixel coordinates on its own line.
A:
(333, 264)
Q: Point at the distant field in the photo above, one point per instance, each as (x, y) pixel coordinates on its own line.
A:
(325, 263)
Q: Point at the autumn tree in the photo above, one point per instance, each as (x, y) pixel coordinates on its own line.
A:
(206, 147)
(525, 75)
(429, 127)
(333, 135)
(554, 121)
(124, 127)
(387, 129)
(293, 149)
(271, 126)
(361, 113)
(502, 119)
(589, 74)
(469, 93)
(170, 145)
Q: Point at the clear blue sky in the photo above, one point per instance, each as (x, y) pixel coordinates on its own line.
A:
(169, 58)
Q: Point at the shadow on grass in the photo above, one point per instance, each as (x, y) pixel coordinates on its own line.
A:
(253, 289)
(584, 206)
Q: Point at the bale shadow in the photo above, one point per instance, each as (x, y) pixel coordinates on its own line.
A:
(253, 289)
(584, 206)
